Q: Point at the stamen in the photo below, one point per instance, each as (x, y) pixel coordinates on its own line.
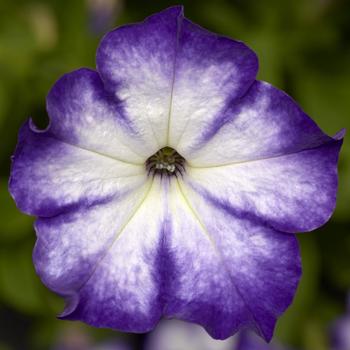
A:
(165, 162)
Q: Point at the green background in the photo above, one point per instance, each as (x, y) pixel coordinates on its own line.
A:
(304, 49)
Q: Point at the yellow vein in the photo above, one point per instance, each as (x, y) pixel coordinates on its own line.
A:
(217, 251)
(252, 160)
(121, 177)
(153, 132)
(192, 211)
(173, 79)
(95, 152)
(118, 234)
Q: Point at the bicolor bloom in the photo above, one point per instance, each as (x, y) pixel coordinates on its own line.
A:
(249, 341)
(340, 331)
(175, 335)
(170, 182)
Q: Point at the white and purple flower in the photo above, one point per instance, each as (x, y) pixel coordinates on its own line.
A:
(170, 183)
(178, 335)
(340, 331)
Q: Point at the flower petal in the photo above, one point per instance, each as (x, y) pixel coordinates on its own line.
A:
(264, 123)
(211, 72)
(136, 63)
(172, 76)
(49, 176)
(160, 257)
(110, 253)
(293, 193)
(223, 271)
(84, 114)
(69, 245)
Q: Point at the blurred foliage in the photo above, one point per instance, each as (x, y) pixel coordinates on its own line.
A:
(303, 47)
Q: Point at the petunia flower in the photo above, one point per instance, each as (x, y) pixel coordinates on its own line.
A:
(250, 341)
(170, 183)
(340, 331)
(178, 335)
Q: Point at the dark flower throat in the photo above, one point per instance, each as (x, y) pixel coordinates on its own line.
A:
(166, 162)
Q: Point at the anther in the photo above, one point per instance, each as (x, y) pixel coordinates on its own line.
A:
(165, 162)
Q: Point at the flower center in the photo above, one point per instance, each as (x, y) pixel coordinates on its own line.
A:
(166, 161)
